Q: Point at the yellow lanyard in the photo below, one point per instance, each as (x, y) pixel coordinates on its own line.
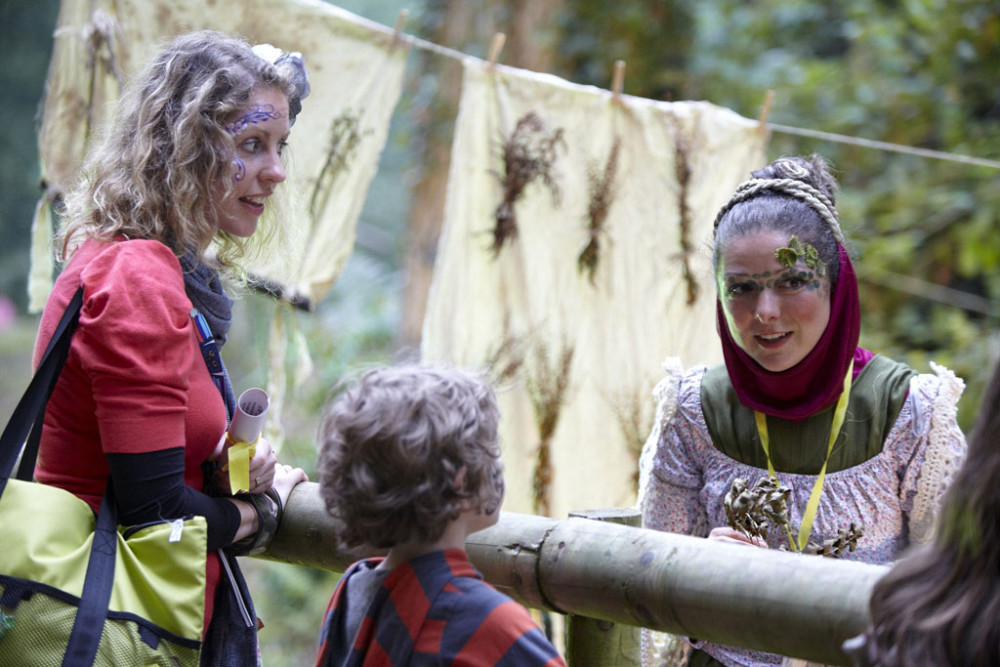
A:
(813, 505)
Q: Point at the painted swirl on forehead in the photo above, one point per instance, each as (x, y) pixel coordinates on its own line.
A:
(255, 114)
(241, 169)
(768, 280)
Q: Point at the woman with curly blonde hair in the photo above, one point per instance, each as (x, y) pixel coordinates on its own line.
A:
(167, 205)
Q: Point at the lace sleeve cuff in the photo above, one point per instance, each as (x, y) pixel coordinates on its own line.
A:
(945, 452)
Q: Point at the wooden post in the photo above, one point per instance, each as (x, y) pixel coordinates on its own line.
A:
(592, 642)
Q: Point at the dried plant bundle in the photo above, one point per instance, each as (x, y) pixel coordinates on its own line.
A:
(601, 185)
(529, 155)
(753, 512)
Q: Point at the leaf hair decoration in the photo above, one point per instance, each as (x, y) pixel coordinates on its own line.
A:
(796, 251)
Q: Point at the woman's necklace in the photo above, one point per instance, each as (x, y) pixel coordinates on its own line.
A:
(813, 505)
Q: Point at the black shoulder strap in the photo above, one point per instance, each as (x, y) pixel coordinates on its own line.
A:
(25, 428)
(26, 421)
(92, 612)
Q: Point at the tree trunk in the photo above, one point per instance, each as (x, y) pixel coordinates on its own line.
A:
(434, 125)
(534, 34)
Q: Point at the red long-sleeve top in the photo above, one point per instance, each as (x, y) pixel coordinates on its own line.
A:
(134, 381)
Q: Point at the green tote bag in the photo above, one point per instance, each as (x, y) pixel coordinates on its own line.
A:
(79, 590)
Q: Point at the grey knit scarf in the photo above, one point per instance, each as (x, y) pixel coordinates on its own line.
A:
(204, 288)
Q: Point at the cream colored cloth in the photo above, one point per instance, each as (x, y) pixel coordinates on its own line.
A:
(533, 297)
(355, 70)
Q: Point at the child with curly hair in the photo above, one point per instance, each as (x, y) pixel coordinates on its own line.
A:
(409, 461)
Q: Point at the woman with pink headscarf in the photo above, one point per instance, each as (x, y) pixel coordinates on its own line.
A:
(857, 439)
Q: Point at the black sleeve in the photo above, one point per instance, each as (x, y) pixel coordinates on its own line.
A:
(150, 487)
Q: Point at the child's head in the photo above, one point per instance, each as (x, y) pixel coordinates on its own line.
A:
(404, 450)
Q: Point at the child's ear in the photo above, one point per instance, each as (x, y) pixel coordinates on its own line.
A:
(466, 503)
(459, 481)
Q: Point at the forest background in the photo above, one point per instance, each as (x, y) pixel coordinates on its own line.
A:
(925, 232)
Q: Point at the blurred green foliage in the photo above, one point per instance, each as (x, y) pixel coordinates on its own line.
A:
(914, 72)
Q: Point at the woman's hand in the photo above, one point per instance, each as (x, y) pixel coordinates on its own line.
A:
(262, 472)
(731, 536)
(262, 466)
(267, 473)
(285, 479)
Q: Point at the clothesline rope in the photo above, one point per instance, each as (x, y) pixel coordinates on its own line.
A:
(884, 146)
(775, 127)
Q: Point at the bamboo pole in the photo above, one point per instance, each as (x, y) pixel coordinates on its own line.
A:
(790, 604)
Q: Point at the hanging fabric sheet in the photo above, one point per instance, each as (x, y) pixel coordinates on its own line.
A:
(574, 257)
(356, 70)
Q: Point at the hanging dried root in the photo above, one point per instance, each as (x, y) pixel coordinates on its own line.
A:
(529, 154)
(504, 362)
(635, 419)
(345, 136)
(752, 511)
(682, 168)
(547, 386)
(601, 187)
(541, 480)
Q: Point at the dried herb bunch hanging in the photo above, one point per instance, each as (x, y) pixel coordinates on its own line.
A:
(547, 386)
(529, 154)
(753, 511)
(102, 54)
(345, 136)
(504, 362)
(601, 188)
(682, 168)
(635, 417)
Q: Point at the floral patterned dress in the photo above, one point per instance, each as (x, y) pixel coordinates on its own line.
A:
(894, 493)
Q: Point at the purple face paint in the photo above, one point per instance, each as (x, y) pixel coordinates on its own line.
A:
(241, 169)
(255, 114)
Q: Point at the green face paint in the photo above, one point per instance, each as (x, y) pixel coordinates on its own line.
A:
(790, 278)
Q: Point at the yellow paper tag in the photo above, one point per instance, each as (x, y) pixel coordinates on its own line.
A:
(240, 454)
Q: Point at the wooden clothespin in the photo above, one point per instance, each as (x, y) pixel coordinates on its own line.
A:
(404, 14)
(498, 41)
(618, 80)
(765, 111)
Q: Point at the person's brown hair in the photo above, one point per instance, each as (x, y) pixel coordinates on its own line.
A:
(391, 448)
(940, 605)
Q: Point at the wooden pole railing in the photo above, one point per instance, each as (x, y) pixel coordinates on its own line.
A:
(790, 604)
(592, 641)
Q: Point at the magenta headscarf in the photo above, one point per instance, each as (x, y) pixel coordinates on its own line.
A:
(815, 382)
